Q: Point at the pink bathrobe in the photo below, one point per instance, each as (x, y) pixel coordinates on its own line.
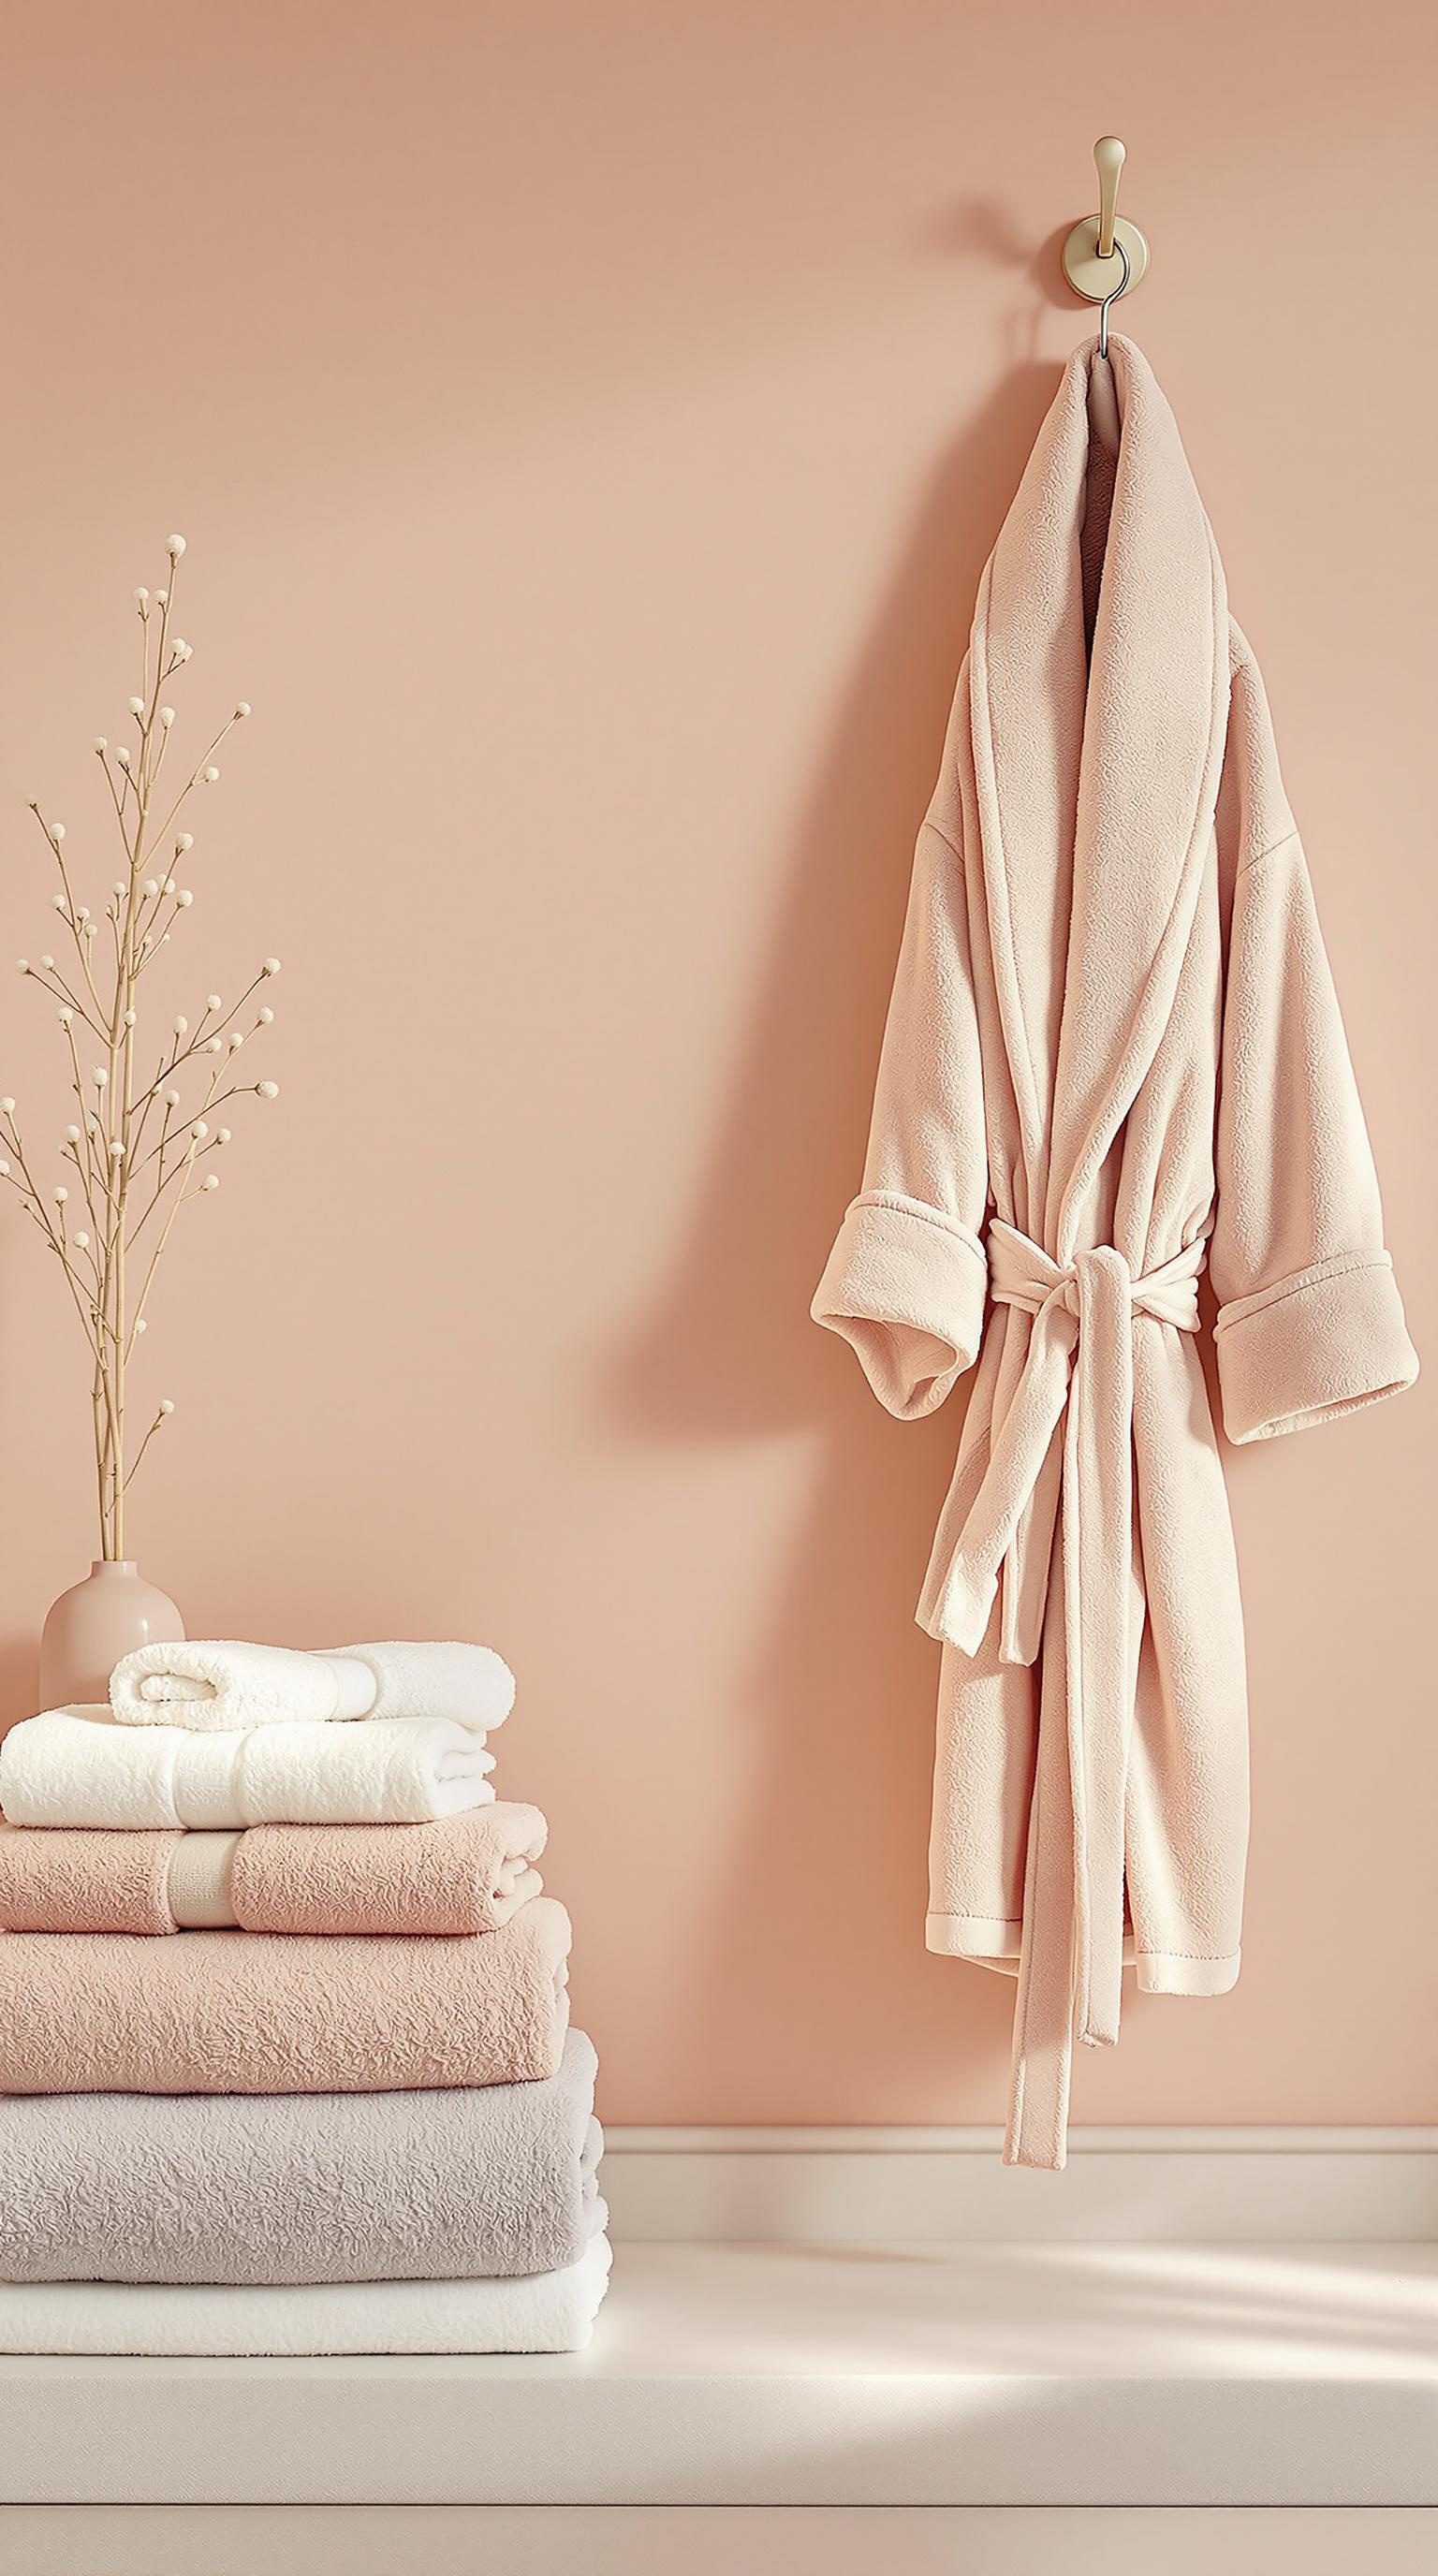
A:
(1113, 1055)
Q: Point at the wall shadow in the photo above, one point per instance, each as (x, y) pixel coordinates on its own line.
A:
(19, 1680)
(835, 1734)
(983, 229)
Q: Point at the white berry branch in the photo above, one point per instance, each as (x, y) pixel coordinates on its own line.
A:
(120, 1186)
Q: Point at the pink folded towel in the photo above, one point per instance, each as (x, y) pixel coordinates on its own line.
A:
(462, 1874)
(261, 2012)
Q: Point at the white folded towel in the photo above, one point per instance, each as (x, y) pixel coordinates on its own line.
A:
(540, 2312)
(221, 1682)
(75, 1766)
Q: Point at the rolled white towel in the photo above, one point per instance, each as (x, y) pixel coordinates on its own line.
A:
(223, 1683)
(75, 1766)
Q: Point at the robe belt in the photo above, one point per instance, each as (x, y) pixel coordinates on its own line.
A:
(1078, 1372)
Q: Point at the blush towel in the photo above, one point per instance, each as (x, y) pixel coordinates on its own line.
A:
(474, 2183)
(222, 1682)
(465, 1873)
(263, 2012)
(76, 1766)
(547, 2312)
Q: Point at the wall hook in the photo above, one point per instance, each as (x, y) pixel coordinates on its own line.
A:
(1090, 264)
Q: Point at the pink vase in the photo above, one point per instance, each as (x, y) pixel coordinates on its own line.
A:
(96, 1622)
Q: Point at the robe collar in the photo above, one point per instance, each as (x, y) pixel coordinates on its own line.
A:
(1096, 765)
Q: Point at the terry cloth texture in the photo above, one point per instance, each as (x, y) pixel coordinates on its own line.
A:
(224, 1682)
(76, 1766)
(1113, 1052)
(268, 2012)
(464, 1874)
(546, 2312)
(462, 2185)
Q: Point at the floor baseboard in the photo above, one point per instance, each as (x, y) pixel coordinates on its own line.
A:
(947, 2186)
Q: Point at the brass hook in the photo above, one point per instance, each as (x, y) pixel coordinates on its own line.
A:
(1089, 249)
(1109, 158)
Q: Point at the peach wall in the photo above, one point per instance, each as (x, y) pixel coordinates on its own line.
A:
(588, 422)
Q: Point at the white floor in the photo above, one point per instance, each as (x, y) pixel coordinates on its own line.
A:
(1114, 2375)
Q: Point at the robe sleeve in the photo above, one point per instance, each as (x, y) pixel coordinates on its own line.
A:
(1310, 1321)
(907, 1278)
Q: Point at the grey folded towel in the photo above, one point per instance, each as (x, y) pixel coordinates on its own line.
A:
(467, 2184)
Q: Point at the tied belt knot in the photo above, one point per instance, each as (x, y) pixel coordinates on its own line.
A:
(1076, 1375)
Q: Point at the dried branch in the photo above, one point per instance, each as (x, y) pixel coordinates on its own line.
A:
(105, 1151)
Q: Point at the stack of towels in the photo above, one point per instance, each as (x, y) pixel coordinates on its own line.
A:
(343, 2110)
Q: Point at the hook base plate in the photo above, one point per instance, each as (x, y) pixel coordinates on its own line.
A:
(1093, 277)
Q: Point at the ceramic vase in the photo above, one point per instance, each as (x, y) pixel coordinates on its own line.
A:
(96, 1622)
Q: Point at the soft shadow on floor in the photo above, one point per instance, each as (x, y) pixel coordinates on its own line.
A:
(839, 1714)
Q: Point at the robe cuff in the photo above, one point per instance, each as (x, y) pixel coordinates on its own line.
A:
(905, 1284)
(1313, 1346)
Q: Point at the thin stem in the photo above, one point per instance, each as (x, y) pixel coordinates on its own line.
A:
(144, 1445)
(175, 1206)
(73, 923)
(61, 993)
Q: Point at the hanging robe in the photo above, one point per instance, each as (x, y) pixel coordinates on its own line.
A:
(1113, 1056)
